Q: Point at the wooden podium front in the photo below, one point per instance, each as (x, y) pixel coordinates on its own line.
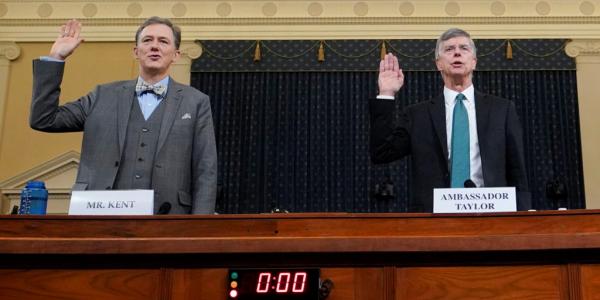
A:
(525, 255)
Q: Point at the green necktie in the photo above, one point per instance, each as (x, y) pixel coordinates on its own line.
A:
(460, 157)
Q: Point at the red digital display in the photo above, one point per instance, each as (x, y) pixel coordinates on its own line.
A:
(299, 282)
(283, 282)
(262, 284)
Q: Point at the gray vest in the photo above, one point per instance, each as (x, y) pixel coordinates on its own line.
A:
(137, 160)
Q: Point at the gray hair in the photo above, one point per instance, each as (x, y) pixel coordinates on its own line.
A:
(452, 33)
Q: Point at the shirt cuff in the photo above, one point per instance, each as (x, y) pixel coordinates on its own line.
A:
(385, 97)
(48, 58)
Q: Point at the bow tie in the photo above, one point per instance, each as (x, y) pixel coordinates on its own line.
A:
(158, 89)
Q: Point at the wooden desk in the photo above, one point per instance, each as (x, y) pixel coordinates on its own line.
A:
(524, 255)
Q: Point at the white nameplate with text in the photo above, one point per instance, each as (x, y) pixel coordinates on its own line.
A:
(474, 200)
(112, 203)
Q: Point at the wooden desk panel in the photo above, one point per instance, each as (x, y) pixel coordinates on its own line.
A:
(590, 281)
(489, 282)
(524, 255)
(80, 284)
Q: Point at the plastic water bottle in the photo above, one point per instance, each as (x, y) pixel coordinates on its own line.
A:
(34, 199)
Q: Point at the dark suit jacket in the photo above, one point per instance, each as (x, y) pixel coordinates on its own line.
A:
(421, 132)
(185, 162)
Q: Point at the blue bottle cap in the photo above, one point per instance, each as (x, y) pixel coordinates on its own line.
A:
(35, 184)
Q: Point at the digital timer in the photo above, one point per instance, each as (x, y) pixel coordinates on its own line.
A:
(273, 284)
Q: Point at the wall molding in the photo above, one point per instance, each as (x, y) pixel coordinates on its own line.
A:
(59, 175)
(9, 51)
(44, 171)
(576, 48)
(116, 20)
(190, 50)
(181, 70)
(587, 57)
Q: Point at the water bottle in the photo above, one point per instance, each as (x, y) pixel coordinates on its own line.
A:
(34, 199)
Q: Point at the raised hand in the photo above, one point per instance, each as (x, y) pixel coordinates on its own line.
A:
(391, 78)
(67, 41)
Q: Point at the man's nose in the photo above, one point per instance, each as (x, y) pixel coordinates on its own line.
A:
(154, 45)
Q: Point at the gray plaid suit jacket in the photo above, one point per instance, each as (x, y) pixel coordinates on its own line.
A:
(185, 162)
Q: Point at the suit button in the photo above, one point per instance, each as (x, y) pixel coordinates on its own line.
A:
(145, 130)
(116, 163)
(108, 187)
(143, 144)
(137, 176)
(158, 166)
(140, 159)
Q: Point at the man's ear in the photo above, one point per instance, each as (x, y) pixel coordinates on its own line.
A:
(135, 53)
(177, 55)
(438, 65)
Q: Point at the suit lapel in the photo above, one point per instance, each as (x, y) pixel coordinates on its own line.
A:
(482, 114)
(437, 109)
(172, 102)
(125, 98)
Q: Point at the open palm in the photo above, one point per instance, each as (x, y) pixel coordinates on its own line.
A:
(67, 41)
(391, 78)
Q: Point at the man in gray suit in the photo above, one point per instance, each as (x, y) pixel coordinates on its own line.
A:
(148, 133)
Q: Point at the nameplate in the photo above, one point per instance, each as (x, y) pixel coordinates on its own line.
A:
(112, 203)
(478, 200)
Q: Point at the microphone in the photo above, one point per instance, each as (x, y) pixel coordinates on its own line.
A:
(164, 209)
(470, 184)
(385, 189)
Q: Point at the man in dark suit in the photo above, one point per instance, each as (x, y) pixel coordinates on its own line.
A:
(148, 133)
(461, 137)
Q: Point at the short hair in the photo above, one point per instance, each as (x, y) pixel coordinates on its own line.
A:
(452, 33)
(158, 20)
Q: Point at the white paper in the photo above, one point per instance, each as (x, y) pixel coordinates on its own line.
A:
(470, 200)
(114, 202)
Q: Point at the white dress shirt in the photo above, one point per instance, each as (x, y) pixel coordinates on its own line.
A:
(450, 100)
(149, 101)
